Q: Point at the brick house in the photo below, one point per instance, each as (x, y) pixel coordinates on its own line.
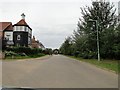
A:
(6, 33)
(37, 44)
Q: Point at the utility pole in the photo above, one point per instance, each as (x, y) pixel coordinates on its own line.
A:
(98, 45)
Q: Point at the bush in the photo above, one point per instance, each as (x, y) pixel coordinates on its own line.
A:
(92, 55)
(25, 50)
(77, 53)
(37, 55)
(10, 53)
(22, 54)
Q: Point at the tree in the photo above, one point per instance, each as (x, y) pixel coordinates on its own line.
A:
(55, 51)
(84, 39)
(85, 36)
(116, 48)
(66, 47)
(48, 51)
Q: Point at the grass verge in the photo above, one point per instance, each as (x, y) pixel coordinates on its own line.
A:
(23, 57)
(111, 65)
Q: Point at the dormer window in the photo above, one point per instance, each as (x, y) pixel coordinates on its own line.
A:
(18, 37)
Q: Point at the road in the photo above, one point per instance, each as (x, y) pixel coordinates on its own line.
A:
(56, 71)
(0, 74)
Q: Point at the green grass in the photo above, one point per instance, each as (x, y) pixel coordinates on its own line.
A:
(105, 64)
(23, 57)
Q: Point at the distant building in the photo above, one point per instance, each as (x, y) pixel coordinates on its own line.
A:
(55, 51)
(37, 44)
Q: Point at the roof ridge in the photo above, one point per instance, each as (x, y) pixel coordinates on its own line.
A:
(5, 25)
(8, 25)
(21, 22)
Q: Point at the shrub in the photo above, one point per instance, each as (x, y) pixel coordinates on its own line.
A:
(25, 50)
(10, 53)
(77, 53)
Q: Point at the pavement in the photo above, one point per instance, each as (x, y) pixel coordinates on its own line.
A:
(55, 71)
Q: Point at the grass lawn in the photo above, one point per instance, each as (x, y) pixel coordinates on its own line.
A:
(23, 57)
(106, 64)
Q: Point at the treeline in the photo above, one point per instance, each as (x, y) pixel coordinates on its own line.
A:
(83, 42)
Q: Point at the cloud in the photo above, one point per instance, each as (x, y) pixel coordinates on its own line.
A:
(51, 20)
(54, 36)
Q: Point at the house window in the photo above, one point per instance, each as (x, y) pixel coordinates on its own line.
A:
(16, 28)
(20, 28)
(7, 37)
(25, 28)
(18, 37)
(30, 32)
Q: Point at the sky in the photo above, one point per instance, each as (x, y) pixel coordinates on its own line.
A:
(51, 20)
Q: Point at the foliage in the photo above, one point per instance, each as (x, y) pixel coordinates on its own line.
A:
(55, 51)
(101, 15)
(67, 47)
(26, 50)
(10, 53)
(23, 52)
(37, 55)
(48, 51)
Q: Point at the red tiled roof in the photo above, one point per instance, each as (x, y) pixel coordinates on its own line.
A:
(21, 22)
(6, 26)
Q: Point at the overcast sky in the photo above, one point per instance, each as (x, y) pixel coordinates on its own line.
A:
(51, 20)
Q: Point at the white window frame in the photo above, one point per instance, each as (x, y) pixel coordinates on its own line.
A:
(18, 37)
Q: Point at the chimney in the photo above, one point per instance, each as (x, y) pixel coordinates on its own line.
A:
(33, 37)
(23, 16)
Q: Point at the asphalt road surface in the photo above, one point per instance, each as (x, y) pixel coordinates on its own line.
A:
(55, 71)
(0, 73)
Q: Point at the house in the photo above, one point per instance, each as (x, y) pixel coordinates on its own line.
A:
(19, 34)
(55, 51)
(37, 44)
(6, 33)
(22, 33)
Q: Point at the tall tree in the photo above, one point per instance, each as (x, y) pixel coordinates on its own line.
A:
(85, 36)
(66, 47)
